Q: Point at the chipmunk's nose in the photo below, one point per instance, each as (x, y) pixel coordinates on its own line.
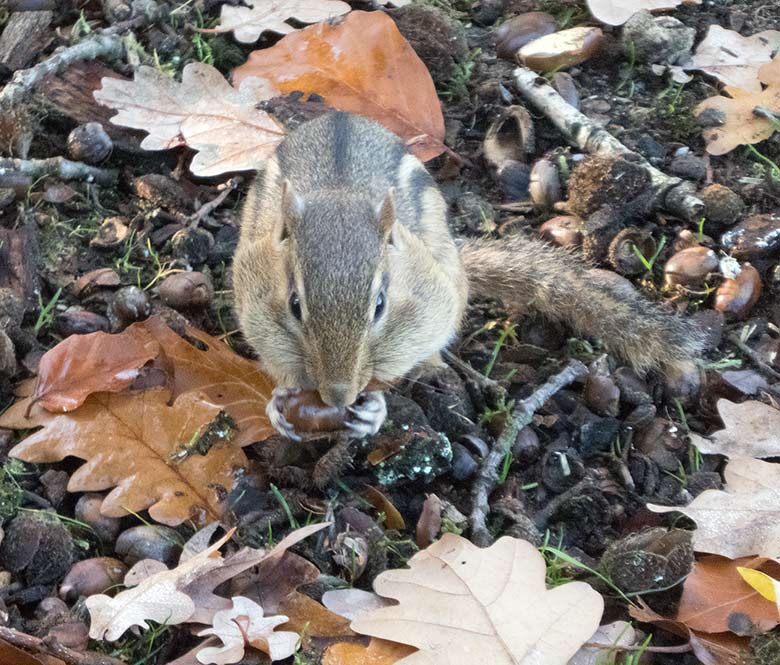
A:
(338, 394)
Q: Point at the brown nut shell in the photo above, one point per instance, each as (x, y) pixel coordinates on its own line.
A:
(622, 250)
(737, 296)
(307, 413)
(509, 137)
(518, 31)
(690, 267)
(563, 230)
(561, 49)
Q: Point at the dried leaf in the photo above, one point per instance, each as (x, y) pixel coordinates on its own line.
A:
(244, 624)
(716, 598)
(384, 79)
(308, 616)
(24, 413)
(378, 652)
(83, 364)
(143, 569)
(198, 542)
(617, 12)
(750, 429)
(743, 520)
(157, 598)
(349, 603)
(127, 440)
(769, 74)
(733, 59)
(203, 112)
(459, 602)
(709, 648)
(264, 583)
(768, 587)
(392, 518)
(429, 522)
(741, 126)
(227, 379)
(248, 23)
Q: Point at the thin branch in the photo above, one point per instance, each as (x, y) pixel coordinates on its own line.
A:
(672, 194)
(211, 206)
(522, 415)
(54, 648)
(754, 357)
(60, 167)
(682, 648)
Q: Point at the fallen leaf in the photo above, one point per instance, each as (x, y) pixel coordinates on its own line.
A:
(392, 518)
(717, 599)
(769, 74)
(127, 441)
(744, 519)
(143, 569)
(13, 655)
(750, 429)
(709, 648)
(349, 603)
(617, 12)
(230, 381)
(157, 598)
(460, 604)
(740, 125)
(429, 522)
(24, 413)
(198, 542)
(276, 573)
(203, 112)
(615, 634)
(83, 364)
(248, 23)
(733, 59)
(768, 587)
(378, 652)
(244, 624)
(306, 615)
(362, 65)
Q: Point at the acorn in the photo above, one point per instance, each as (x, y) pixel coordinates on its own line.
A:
(88, 511)
(148, 542)
(562, 49)
(131, 304)
(187, 290)
(515, 33)
(510, 136)
(736, 296)
(563, 230)
(306, 412)
(623, 249)
(601, 393)
(91, 576)
(690, 267)
(545, 187)
(89, 143)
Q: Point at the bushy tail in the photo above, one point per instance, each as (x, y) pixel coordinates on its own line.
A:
(549, 280)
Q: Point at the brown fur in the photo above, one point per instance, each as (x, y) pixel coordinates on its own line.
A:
(558, 285)
(319, 222)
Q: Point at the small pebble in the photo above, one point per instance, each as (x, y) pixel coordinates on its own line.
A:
(88, 511)
(689, 167)
(157, 542)
(755, 236)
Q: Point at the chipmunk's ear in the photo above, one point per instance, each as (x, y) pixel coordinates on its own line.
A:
(292, 211)
(386, 215)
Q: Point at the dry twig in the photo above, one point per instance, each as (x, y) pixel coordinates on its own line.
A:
(60, 167)
(672, 194)
(54, 648)
(763, 367)
(522, 415)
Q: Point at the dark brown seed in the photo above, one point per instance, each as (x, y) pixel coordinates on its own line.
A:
(736, 297)
(92, 576)
(515, 33)
(690, 267)
(131, 304)
(89, 143)
(187, 290)
(564, 231)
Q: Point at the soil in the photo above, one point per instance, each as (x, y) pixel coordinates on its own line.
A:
(578, 478)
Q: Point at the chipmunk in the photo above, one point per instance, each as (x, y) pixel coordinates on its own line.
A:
(346, 273)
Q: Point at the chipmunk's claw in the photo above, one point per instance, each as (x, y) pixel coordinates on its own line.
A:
(275, 412)
(368, 414)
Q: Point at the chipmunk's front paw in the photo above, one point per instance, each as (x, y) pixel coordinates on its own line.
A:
(368, 413)
(275, 412)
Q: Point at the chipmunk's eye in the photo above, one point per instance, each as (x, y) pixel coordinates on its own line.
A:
(295, 305)
(380, 306)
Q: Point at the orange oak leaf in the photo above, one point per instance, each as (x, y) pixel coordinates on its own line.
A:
(378, 652)
(128, 441)
(230, 381)
(361, 64)
(716, 598)
(83, 364)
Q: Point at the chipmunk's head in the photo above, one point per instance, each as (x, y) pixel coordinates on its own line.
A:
(314, 300)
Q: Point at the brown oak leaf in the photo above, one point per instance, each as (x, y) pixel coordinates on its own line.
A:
(127, 441)
(363, 65)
